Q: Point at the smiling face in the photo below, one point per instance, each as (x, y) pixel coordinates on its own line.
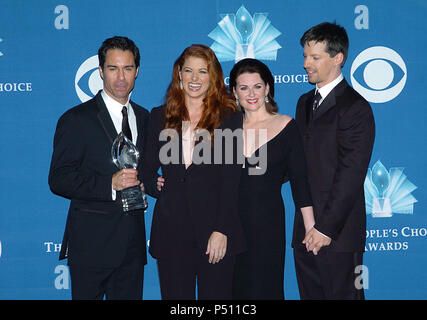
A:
(118, 74)
(251, 91)
(194, 75)
(321, 68)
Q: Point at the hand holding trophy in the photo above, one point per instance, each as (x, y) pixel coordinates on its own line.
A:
(125, 155)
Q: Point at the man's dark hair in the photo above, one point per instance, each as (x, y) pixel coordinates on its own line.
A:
(117, 42)
(333, 34)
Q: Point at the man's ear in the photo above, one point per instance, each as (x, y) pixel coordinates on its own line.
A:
(101, 74)
(339, 58)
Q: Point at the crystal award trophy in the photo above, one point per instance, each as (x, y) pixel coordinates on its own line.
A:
(125, 155)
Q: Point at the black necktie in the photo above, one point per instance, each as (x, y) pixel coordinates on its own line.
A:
(316, 101)
(125, 124)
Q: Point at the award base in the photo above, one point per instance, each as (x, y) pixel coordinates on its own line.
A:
(133, 199)
(244, 51)
(381, 208)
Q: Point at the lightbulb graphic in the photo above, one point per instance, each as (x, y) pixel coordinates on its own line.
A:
(245, 26)
(381, 206)
(380, 178)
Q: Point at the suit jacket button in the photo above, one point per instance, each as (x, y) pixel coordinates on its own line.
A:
(182, 180)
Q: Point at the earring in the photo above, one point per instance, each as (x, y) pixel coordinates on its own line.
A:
(238, 104)
(181, 86)
(266, 99)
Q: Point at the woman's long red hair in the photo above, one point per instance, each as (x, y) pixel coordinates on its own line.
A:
(218, 100)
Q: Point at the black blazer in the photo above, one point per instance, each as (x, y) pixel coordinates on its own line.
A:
(338, 144)
(97, 232)
(195, 201)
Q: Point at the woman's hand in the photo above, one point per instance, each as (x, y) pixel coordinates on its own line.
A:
(160, 183)
(217, 247)
(314, 241)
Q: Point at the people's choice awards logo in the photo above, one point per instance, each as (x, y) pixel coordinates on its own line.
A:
(388, 192)
(382, 70)
(241, 35)
(88, 81)
(0, 51)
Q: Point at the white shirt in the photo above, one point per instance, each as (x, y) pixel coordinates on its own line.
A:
(327, 88)
(115, 110)
(188, 141)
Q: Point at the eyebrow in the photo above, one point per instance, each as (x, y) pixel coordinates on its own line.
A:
(203, 68)
(114, 65)
(246, 85)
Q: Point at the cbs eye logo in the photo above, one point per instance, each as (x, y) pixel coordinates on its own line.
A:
(382, 71)
(88, 81)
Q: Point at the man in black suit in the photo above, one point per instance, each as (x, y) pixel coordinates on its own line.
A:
(105, 248)
(338, 129)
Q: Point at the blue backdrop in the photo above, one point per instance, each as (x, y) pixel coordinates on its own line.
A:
(47, 65)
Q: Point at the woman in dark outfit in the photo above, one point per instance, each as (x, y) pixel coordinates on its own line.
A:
(195, 231)
(259, 270)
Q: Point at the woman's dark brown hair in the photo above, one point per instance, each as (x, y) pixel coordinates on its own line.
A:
(249, 65)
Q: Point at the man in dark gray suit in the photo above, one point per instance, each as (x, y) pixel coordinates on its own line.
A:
(106, 249)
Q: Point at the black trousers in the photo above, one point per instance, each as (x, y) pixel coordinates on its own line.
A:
(329, 275)
(182, 269)
(122, 283)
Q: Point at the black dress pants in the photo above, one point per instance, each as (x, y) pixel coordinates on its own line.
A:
(328, 275)
(122, 283)
(180, 270)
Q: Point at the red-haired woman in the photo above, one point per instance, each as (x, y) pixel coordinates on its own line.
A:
(195, 232)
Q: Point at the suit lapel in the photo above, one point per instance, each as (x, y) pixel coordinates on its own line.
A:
(330, 100)
(139, 126)
(309, 107)
(326, 104)
(105, 119)
(191, 166)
